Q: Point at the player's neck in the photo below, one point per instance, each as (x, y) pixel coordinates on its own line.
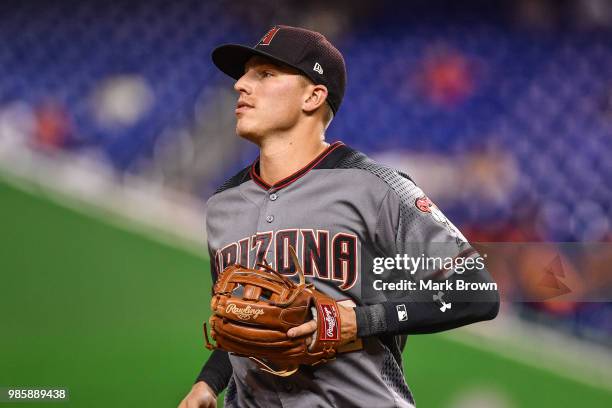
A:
(281, 157)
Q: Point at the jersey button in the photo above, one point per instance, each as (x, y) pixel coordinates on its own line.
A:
(273, 196)
(270, 218)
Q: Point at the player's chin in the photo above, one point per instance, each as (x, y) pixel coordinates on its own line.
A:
(247, 132)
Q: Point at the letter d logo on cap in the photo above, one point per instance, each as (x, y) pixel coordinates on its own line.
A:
(269, 36)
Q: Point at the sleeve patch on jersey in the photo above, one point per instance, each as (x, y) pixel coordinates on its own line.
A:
(424, 204)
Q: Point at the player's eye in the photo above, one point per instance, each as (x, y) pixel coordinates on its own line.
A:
(265, 74)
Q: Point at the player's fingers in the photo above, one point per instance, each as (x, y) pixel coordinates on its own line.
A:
(303, 329)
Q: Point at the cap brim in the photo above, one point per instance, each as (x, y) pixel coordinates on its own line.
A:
(231, 58)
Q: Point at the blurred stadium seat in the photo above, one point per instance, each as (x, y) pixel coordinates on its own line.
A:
(414, 84)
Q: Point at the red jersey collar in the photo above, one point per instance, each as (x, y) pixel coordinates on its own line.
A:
(254, 170)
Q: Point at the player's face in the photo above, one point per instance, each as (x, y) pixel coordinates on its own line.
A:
(270, 99)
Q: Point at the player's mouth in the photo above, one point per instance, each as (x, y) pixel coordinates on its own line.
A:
(242, 107)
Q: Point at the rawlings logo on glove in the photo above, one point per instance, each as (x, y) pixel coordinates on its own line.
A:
(244, 313)
(272, 303)
(331, 323)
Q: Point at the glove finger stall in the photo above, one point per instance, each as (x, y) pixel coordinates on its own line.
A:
(253, 335)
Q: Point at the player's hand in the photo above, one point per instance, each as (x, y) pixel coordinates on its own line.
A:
(348, 330)
(200, 396)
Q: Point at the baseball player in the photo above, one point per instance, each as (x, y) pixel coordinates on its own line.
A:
(343, 213)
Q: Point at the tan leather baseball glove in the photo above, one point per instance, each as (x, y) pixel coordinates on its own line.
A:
(253, 309)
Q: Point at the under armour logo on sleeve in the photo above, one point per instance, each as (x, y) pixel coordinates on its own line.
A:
(438, 299)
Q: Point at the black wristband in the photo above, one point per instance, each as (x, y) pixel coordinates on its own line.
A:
(217, 371)
(370, 320)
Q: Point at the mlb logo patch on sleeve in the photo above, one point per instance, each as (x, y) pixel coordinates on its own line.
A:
(402, 314)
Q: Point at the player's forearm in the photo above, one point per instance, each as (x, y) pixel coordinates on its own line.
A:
(217, 371)
(426, 316)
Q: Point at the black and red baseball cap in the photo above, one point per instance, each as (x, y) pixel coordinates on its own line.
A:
(307, 51)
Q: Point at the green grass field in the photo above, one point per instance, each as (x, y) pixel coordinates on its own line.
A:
(116, 317)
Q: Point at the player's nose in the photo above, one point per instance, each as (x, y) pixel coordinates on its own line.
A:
(242, 85)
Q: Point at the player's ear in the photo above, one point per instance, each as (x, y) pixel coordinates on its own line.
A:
(315, 97)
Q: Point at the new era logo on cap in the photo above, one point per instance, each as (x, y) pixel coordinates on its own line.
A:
(318, 68)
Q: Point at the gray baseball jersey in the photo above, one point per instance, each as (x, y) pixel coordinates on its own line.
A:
(340, 212)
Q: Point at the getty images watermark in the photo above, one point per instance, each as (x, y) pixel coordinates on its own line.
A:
(430, 272)
(520, 272)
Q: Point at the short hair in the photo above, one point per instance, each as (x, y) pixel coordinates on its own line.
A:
(328, 115)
